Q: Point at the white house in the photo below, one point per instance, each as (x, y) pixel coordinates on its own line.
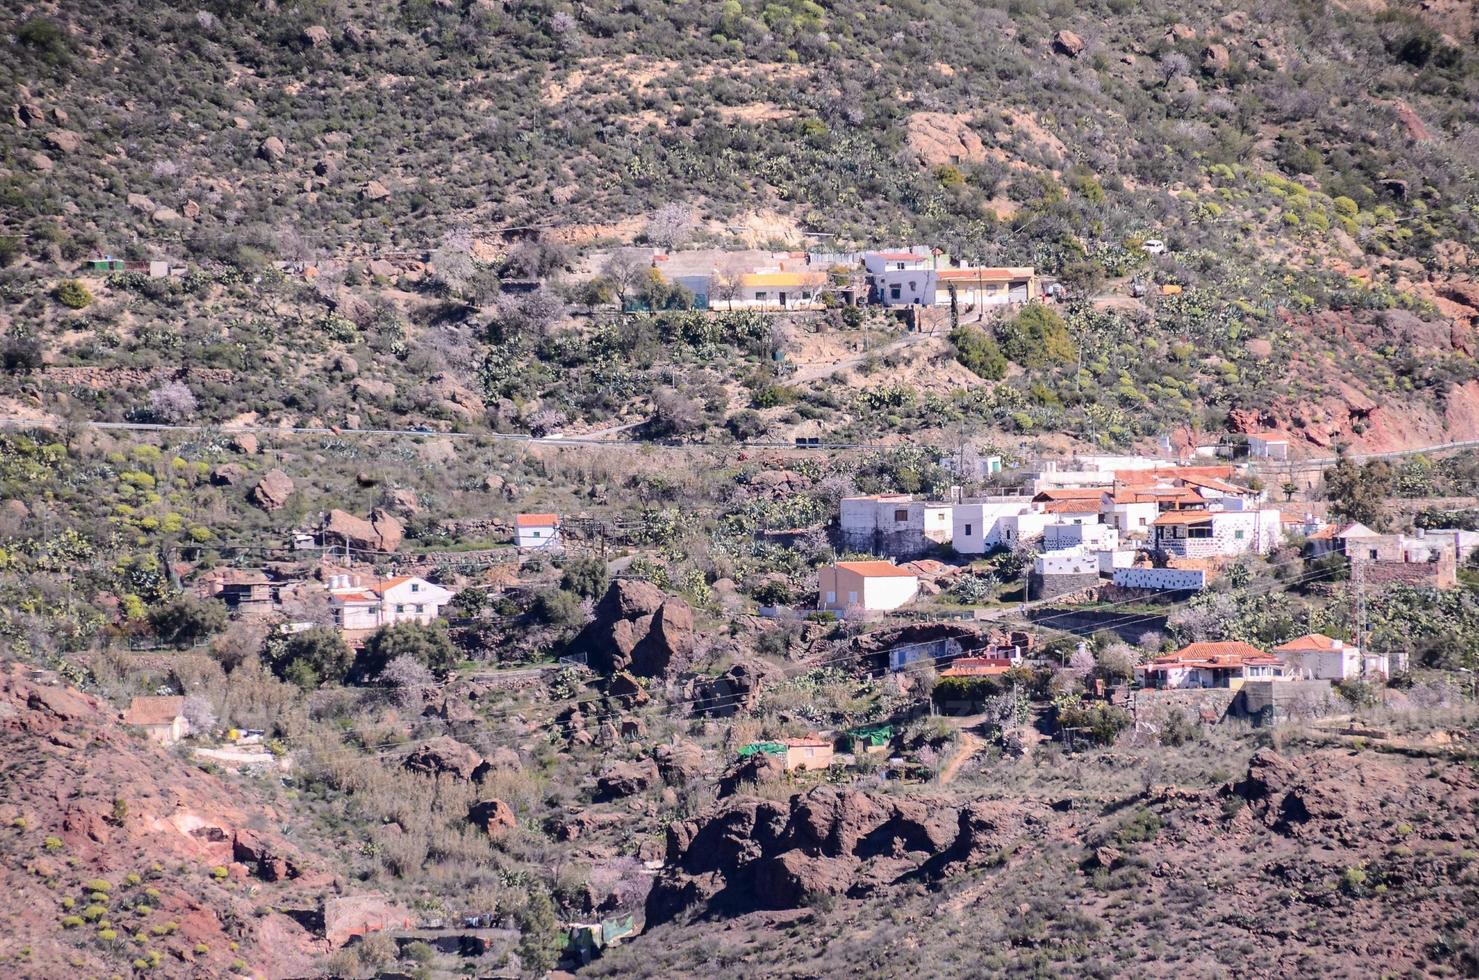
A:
(1017, 528)
(1268, 445)
(1214, 533)
(872, 586)
(1318, 657)
(406, 598)
(1203, 665)
(977, 287)
(894, 524)
(902, 277)
(536, 530)
(978, 525)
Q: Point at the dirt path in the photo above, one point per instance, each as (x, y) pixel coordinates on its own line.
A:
(969, 746)
(815, 371)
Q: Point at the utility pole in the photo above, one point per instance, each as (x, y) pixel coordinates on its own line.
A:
(1358, 629)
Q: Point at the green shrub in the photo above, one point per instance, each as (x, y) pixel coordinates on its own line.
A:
(73, 294)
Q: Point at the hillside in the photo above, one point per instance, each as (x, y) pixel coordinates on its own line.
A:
(1317, 204)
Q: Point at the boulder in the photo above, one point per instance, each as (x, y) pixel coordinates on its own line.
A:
(1215, 59)
(380, 268)
(1069, 43)
(316, 36)
(625, 688)
(1180, 32)
(670, 638)
(228, 474)
(681, 763)
(245, 443)
(373, 389)
(495, 817)
(28, 115)
(272, 491)
(250, 847)
(446, 755)
(272, 149)
(629, 599)
(40, 161)
(382, 532)
(375, 191)
(140, 203)
(403, 501)
(165, 216)
(346, 366)
(325, 167)
(191, 210)
(63, 141)
(627, 778)
(790, 880)
(833, 822)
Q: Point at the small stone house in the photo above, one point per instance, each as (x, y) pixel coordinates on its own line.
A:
(161, 718)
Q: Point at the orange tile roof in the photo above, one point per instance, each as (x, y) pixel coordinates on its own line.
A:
(150, 711)
(1218, 485)
(1229, 653)
(345, 598)
(985, 274)
(977, 667)
(537, 520)
(1070, 507)
(1072, 493)
(875, 569)
(1310, 641)
(1185, 517)
(380, 588)
(1151, 476)
(1326, 533)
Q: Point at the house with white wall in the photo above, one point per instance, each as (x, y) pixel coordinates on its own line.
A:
(1204, 665)
(404, 599)
(869, 586)
(537, 530)
(895, 524)
(978, 524)
(901, 277)
(1319, 657)
(976, 288)
(1268, 445)
(1218, 533)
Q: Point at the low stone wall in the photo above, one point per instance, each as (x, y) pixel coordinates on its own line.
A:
(1155, 707)
(1266, 702)
(1053, 585)
(103, 378)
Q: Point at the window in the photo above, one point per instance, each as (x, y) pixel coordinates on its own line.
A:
(852, 598)
(899, 266)
(805, 294)
(400, 607)
(1371, 554)
(762, 295)
(415, 586)
(534, 534)
(1142, 522)
(418, 608)
(968, 530)
(912, 287)
(894, 292)
(901, 516)
(831, 598)
(1238, 534)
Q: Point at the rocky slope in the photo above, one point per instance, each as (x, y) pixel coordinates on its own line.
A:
(1299, 866)
(195, 872)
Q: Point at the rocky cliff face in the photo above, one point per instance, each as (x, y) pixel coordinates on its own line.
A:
(637, 628)
(1307, 858)
(189, 862)
(747, 853)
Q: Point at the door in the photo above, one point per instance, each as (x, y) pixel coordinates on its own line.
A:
(783, 299)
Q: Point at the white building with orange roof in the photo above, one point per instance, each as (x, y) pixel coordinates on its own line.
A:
(537, 530)
(1218, 533)
(1201, 665)
(978, 287)
(1317, 656)
(406, 598)
(870, 586)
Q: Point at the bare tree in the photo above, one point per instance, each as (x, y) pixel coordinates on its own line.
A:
(671, 225)
(172, 402)
(199, 714)
(453, 262)
(406, 677)
(625, 268)
(725, 286)
(1173, 65)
